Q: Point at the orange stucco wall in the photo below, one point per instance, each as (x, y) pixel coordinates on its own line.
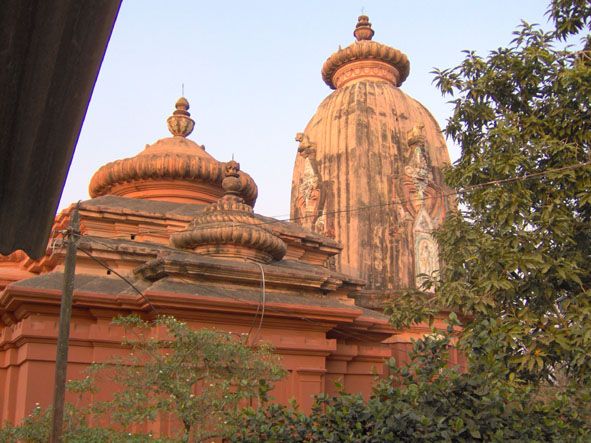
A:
(314, 362)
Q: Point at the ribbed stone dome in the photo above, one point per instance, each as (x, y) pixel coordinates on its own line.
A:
(173, 169)
(368, 171)
(229, 229)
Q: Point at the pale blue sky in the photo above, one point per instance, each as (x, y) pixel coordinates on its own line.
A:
(252, 74)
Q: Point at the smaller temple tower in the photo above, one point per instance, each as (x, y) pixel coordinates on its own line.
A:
(368, 170)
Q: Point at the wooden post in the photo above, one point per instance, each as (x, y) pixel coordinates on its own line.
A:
(61, 360)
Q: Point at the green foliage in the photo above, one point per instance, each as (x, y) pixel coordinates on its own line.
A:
(570, 16)
(425, 402)
(196, 377)
(516, 260)
(36, 429)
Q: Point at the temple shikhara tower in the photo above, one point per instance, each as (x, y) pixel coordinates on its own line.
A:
(181, 226)
(368, 169)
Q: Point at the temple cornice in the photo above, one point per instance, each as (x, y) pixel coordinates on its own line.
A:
(17, 302)
(196, 268)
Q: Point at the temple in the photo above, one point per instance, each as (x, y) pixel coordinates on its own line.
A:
(172, 231)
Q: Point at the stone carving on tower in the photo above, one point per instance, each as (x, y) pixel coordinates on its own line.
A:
(309, 190)
(368, 168)
(419, 171)
(418, 167)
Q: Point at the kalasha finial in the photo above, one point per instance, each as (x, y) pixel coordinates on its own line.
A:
(363, 29)
(232, 184)
(180, 123)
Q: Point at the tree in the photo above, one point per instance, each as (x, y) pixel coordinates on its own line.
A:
(516, 259)
(198, 377)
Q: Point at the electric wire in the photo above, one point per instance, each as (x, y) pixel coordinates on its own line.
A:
(254, 318)
(263, 295)
(110, 269)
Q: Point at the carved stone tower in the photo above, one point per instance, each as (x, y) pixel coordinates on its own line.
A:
(368, 168)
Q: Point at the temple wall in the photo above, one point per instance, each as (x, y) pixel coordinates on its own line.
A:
(27, 359)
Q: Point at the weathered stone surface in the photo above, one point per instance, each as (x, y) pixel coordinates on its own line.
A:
(368, 169)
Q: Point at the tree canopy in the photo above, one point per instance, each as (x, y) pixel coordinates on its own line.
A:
(425, 402)
(516, 257)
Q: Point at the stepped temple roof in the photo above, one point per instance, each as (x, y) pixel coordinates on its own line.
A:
(228, 228)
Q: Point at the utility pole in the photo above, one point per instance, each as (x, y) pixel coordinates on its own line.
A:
(61, 361)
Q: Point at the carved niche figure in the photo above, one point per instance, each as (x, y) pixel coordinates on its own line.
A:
(308, 190)
(418, 166)
(320, 225)
(427, 261)
(306, 148)
(420, 208)
(426, 251)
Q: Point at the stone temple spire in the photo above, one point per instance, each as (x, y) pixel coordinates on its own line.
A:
(173, 169)
(368, 169)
